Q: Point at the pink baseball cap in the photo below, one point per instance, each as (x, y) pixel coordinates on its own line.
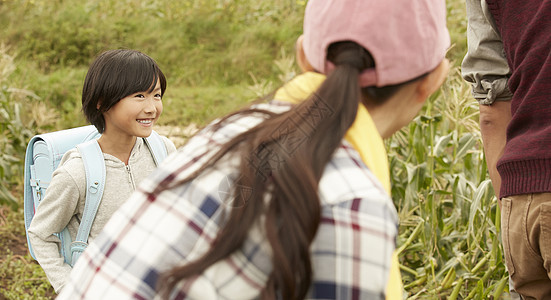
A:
(407, 38)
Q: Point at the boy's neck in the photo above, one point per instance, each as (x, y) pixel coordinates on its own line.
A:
(119, 148)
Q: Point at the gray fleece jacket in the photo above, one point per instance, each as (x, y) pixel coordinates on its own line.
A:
(63, 203)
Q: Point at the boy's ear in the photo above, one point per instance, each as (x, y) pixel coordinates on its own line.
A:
(301, 57)
(433, 80)
(98, 106)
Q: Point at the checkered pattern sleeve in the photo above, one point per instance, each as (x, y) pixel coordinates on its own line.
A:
(153, 233)
(352, 251)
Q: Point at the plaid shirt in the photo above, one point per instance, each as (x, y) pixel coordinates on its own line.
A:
(350, 255)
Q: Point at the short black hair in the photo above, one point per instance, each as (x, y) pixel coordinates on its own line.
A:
(116, 74)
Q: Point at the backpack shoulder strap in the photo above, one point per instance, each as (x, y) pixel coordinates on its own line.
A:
(157, 147)
(94, 166)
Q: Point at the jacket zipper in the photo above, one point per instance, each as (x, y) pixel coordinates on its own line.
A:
(130, 177)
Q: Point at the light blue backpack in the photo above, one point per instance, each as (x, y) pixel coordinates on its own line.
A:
(42, 157)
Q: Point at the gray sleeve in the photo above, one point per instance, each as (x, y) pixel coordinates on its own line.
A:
(53, 214)
(485, 65)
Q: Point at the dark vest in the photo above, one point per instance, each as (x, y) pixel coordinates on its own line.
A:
(525, 28)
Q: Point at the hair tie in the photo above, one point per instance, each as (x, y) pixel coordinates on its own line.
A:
(368, 77)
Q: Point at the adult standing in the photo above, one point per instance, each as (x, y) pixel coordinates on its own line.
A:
(509, 66)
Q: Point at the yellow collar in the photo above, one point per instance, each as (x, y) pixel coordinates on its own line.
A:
(362, 135)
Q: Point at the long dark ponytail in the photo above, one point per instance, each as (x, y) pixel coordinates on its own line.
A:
(284, 158)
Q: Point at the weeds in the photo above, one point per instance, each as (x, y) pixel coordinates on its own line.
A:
(20, 276)
(14, 130)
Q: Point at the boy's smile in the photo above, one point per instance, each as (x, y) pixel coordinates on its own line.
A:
(134, 115)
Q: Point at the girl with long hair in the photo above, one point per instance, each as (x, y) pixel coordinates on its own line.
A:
(287, 199)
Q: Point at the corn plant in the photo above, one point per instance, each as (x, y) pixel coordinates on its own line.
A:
(449, 218)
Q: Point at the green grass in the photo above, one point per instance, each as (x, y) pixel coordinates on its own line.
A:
(219, 55)
(200, 105)
(20, 276)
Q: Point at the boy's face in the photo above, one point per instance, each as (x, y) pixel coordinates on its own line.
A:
(134, 115)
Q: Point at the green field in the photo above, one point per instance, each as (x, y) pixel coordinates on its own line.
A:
(219, 55)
